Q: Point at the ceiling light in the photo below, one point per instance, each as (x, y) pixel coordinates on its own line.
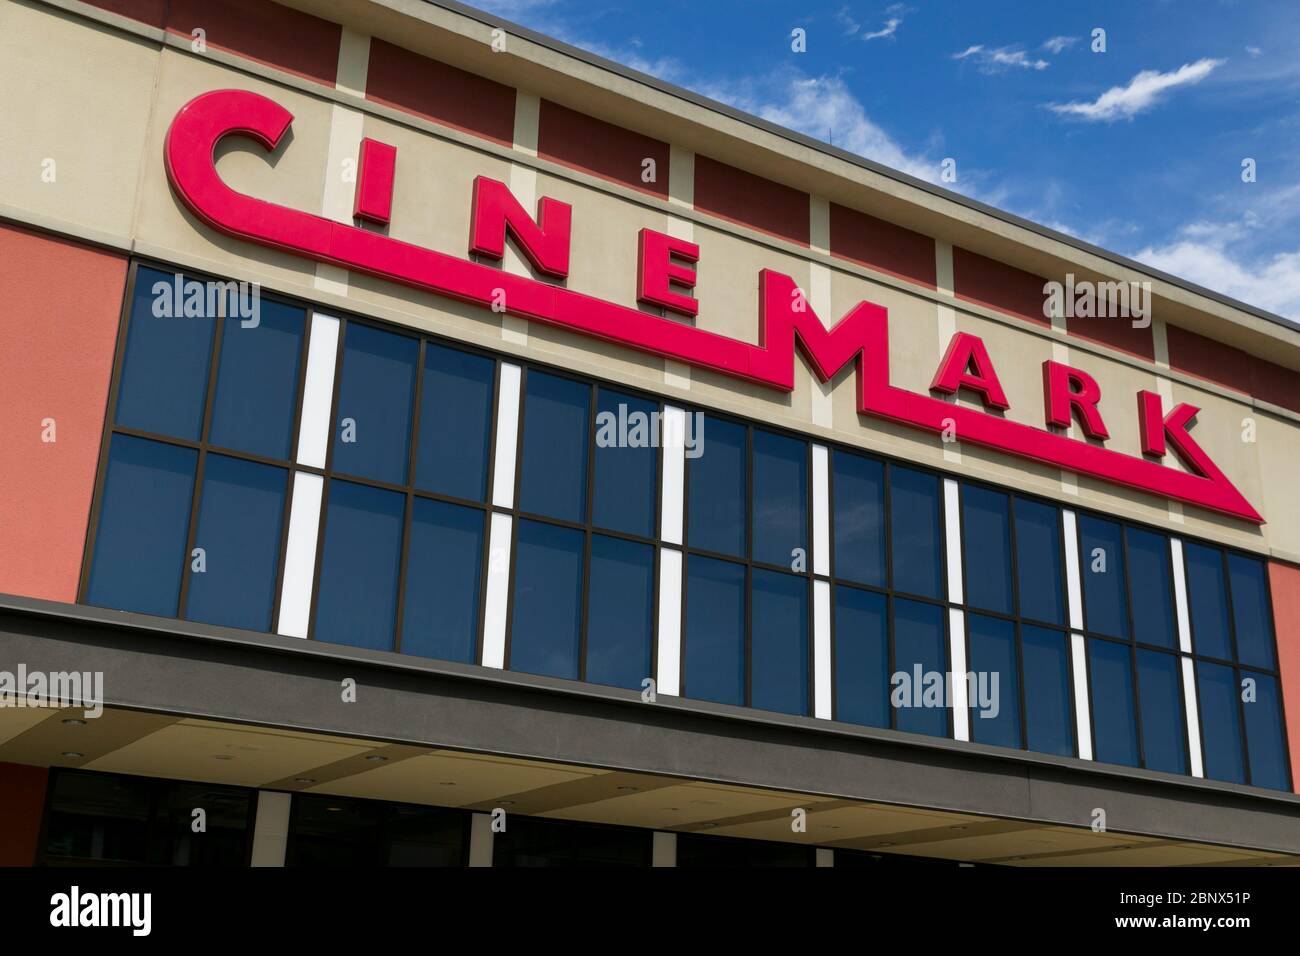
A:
(74, 722)
(72, 754)
(376, 758)
(303, 780)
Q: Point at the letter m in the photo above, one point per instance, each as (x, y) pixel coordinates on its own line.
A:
(544, 241)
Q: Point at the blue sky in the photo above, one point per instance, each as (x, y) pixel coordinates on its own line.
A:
(1138, 149)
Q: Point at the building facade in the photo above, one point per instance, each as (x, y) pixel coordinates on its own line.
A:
(425, 443)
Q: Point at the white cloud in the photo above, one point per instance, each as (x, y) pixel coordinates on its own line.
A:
(1141, 93)
(1057, 44)
(999, 59)
(888, 30)
(1272, 283)
(1254, 51)
(850, 25)
(825, 108)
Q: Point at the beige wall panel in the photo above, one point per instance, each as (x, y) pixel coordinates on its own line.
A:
(1277, 446)
(294, 175)
(77, 94)
(433, 186)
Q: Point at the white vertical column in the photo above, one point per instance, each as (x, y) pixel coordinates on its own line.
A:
(271, 828)
(1165, 389)
(819, 297)
(681, 192)
(308, 488)
(668, 679)
(1191, 707)
(523, 183)
(823, 678)
(1078, 647)
(663, 851)
(480, 839)
(946, 322)
(1061, 353)
(956, 617)
(347, 127)
(501, 528)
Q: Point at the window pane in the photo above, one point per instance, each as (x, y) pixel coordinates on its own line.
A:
(1102, 555)
(1038, 561)
(859, 491)
(620, 612)
(627, 463)
(360, 566)
(1151, 587)
(240, 514)
(165, 367)
(451, 455)
(920, 658)
(441, 606)
(994, 719)
(1250, 611)
(779, 656)
(715, 630)
(546, 617)
(538, 842)
(861, 657)
(697, 851)
(1164, 729)
(1220, 724)
(257, 382)
(553, 474)
(376, 391)
(1265, 745)
(1207, 601)
(1114, 724)
(716, 485)
(144, 522)
(986, 533)
(915, 523)
(780, 498)
(1048, 714)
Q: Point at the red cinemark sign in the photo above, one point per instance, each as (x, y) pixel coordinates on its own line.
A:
(665, 276)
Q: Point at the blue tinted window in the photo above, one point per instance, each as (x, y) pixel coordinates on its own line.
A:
(1048, 713)
(995, 720)
(1265, 745)
(780, 498)
(861, 657)
(915, 524)
(986, 533)
(1102, 555)
(440, 610)
(553, 474)
(240, 513)
(859, 491)
(620, 612)
(716, 486)
(357, 604)
(451, 454)
(627, 468)
(1220, 722)
(1250, 611)
(546, 618)
(1164, 729)
(1207, 601)
(1114, 723)
(165, 368)
(919, 655)
(144, 522)
(257, 382)
(715, 630)
(376, 392)
(1038, 561)
(1150, 587)
(779, 653)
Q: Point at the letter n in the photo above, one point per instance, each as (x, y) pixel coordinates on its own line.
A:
(545, 242)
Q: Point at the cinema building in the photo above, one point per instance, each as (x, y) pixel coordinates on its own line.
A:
(443, 446)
